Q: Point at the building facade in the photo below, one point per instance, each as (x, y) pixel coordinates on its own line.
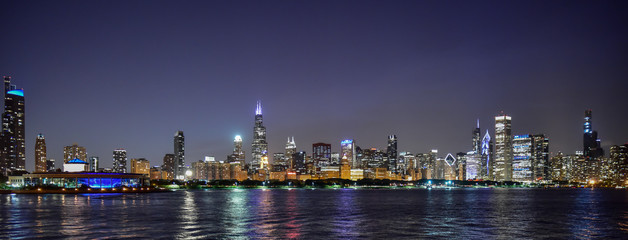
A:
(502, 168)
(41, 163)
(140, 165)
(259, 145)
(12, 149)
(119, 161)
(179, 155)
(73, 152)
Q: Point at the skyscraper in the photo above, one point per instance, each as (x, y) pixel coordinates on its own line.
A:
(119, 161)
(291, 149)
(74, 151)
(260, 146)
(486, 162)
(391, 151)
(347, 149)
(179, 155)
(321, 154)
(541, 163)
(591, 143)
(477, 140)
(41, 164)
(503, 148)
(238, 152)
(13, 130)
(168, 165)
(523, 158)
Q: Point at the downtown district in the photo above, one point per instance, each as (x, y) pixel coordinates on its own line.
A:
(503, 157)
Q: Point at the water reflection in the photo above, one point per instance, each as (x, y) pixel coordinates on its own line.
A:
(334, 214)
(346, 218)
(236, 218)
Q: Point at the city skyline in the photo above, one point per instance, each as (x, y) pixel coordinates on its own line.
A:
(420, 71)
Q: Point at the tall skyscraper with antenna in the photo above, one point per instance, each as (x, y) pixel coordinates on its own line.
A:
(259, 146)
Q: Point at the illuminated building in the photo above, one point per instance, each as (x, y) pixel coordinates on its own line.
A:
(446, 168)
(299, 162)
(156, 173)
(335, 158)
(140, 165)
(279, 162)
(473, 165)
(522, 158)
(168, 165)
(41, 164)
(93, 164)
(73, 152)
(179, 155)
(591, 143)
(356, 174)
(260, 146)
(12, 148)
(541, 163)
(619, 164)
(486, 162)
(238, 152)
(95, 181)
(477, 140)
(391, 152)
(559, 168)
(291, 149)
(347, 148)
(503, 149)
(321, 154)
(75, 165)
(119, 161)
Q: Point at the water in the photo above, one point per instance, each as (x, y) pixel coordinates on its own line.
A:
(321, 214)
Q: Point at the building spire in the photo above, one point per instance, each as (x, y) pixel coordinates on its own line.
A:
(478, 126)
(258, 108)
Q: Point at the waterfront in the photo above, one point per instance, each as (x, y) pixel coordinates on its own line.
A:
(321, 213)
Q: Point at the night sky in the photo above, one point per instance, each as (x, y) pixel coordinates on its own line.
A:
(128, 74)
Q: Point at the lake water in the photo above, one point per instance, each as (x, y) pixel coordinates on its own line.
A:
(321, 214)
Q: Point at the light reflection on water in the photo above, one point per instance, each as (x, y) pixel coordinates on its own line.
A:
(335, 214)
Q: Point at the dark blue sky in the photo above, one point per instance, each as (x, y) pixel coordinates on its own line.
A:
(128, 74)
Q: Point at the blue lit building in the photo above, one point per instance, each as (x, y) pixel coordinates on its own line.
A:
(86, 179)
(522, 163)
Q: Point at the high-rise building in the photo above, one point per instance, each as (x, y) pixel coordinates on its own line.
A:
(119, 161)
(168, 165)
(523, 157)
(140, 165)
(486, 161)
(503, 148)
(93, 163)
(41, 164)
(541, 163)
(238, 151)
(321, 154)
(347, 149)
(12, 152)
(73, 152)
(391, 151)
(260, 146)
(291, 149)
(619, 164)
(591, 143)
(477, 140)
(179, 155)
